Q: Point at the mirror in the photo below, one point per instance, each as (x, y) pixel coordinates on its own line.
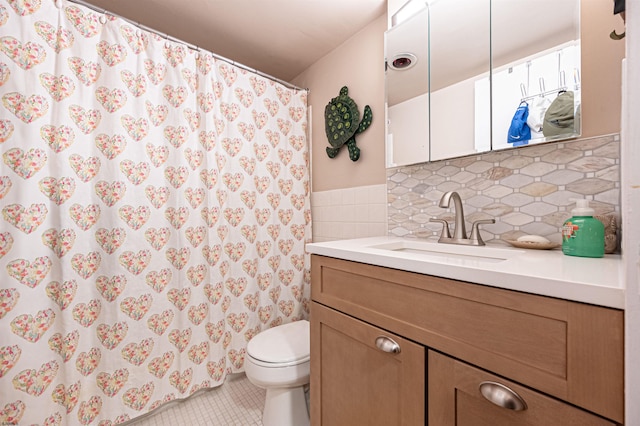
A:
(474, 62)
(460, 64)
(536, 66)
(407, 90)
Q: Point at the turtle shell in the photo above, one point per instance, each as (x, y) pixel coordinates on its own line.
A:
(341, 119)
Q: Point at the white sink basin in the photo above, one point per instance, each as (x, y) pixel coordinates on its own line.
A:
(450, 252)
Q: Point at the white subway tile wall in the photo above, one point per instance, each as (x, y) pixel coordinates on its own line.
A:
(349, 213)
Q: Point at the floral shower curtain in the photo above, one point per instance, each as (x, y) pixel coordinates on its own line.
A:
(155, 206)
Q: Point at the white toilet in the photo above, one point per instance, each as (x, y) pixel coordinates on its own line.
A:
(278, 360)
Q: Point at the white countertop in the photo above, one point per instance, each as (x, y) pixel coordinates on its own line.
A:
(596, 281)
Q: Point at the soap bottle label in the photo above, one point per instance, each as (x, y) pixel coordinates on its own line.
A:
(569, 230)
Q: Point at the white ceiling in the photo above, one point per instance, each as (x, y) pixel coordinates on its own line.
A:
(281, 38)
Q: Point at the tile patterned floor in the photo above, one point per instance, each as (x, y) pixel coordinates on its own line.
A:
(236, 403)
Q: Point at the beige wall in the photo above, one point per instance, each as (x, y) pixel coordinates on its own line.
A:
(359, 64)
(601, 68)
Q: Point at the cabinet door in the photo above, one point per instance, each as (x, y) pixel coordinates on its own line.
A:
(455, 399)
(358, 379)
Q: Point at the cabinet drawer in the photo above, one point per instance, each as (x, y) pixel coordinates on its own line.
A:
(455, 399)
(569, 350)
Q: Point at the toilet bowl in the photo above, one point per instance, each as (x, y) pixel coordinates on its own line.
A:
(278, 360)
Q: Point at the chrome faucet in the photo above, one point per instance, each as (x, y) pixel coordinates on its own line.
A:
(459, 230)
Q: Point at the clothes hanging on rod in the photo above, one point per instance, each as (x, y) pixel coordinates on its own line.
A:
(189, 45)
(519, 132)
(559, 119)
(546, 115)
(537, 109)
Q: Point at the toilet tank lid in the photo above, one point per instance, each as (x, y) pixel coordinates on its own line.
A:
(284, 343)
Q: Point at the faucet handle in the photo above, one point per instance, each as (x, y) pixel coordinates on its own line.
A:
(475, 237)
(445, 227)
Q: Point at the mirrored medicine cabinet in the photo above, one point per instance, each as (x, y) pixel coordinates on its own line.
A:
(457, 71)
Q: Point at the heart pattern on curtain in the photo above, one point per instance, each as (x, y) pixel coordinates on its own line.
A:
(155, 206)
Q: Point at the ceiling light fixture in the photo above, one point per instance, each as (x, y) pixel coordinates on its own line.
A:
(403, 61)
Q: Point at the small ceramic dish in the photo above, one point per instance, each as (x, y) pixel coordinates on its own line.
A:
(533, 245)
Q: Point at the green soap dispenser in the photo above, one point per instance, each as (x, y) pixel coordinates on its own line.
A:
(582, 234)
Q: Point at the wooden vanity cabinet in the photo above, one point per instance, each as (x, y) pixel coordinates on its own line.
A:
(565, 356)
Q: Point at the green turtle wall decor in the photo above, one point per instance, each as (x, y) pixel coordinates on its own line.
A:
(341, 124)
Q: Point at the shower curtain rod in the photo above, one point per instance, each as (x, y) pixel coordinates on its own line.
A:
(189, 45)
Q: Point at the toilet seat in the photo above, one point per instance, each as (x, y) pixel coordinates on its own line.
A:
(281, 346)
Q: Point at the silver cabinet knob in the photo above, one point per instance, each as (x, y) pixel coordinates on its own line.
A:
(387, 344)
(502, 396)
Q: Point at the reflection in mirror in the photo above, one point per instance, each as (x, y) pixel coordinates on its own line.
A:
(535, 67)
(460, 52)
(477, 63)
(407, 87)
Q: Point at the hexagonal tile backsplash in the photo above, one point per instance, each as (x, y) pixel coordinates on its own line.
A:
(530, 190)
